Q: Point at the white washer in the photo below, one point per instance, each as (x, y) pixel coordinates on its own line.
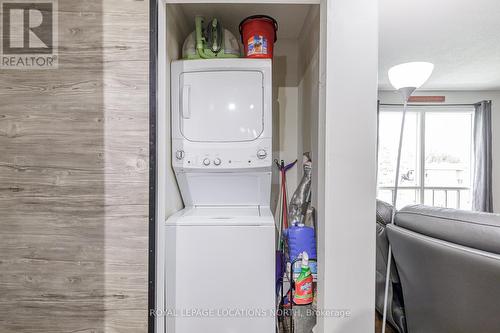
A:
(220, 260)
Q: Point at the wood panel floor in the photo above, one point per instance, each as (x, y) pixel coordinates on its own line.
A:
(74, 177)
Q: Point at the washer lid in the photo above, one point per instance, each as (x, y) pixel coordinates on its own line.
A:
(221, 106)
(223, 215)
(219, 212)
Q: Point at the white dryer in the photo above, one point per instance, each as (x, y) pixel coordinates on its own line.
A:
(220, 260)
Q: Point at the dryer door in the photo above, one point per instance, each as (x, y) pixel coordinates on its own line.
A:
(221, 106)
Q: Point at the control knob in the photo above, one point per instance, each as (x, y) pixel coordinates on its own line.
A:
(206, 162)
(179, 154)
(261, 154)
(217, 161)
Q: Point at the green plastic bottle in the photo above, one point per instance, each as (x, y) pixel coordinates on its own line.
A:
(304, 285)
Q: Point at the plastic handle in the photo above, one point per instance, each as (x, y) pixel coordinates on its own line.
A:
(186, 110)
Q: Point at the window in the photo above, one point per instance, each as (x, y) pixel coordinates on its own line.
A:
(436, 157)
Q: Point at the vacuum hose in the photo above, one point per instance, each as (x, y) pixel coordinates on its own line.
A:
(199, 36)
(214, 36)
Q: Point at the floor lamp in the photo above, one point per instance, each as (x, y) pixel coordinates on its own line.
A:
(405, 78)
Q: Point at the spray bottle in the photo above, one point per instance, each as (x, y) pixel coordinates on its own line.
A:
(304, 285)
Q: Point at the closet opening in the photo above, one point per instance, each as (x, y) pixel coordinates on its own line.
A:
(295, 139)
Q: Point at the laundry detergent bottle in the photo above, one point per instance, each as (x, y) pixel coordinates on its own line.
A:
(304, 284)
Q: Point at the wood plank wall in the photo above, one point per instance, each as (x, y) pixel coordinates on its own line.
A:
(74, 177)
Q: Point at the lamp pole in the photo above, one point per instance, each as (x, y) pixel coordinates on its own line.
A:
(405, 78)
(406, 93)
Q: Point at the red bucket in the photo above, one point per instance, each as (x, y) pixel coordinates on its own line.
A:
(258, 35)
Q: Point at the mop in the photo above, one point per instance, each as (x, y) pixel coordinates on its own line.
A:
(281, 218)
(282, 209)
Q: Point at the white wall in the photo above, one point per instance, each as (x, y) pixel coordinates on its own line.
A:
(308, 69)
(348, 91)
(295, 80)
(457, 97)
(286, 108)
(295, 71)
(176, 32)
(288, 124)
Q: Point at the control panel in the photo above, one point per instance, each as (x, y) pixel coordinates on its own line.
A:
(223, 156)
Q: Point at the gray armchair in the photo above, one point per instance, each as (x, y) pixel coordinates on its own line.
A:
(448, 264)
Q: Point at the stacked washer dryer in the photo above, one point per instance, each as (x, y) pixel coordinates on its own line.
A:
(220, 261)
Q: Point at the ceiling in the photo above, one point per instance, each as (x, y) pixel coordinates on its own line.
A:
(461, 38)
(290, 19)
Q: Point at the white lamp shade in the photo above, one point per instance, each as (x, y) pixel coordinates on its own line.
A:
(410, 74)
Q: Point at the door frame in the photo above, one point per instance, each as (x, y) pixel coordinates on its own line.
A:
(158, 82)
